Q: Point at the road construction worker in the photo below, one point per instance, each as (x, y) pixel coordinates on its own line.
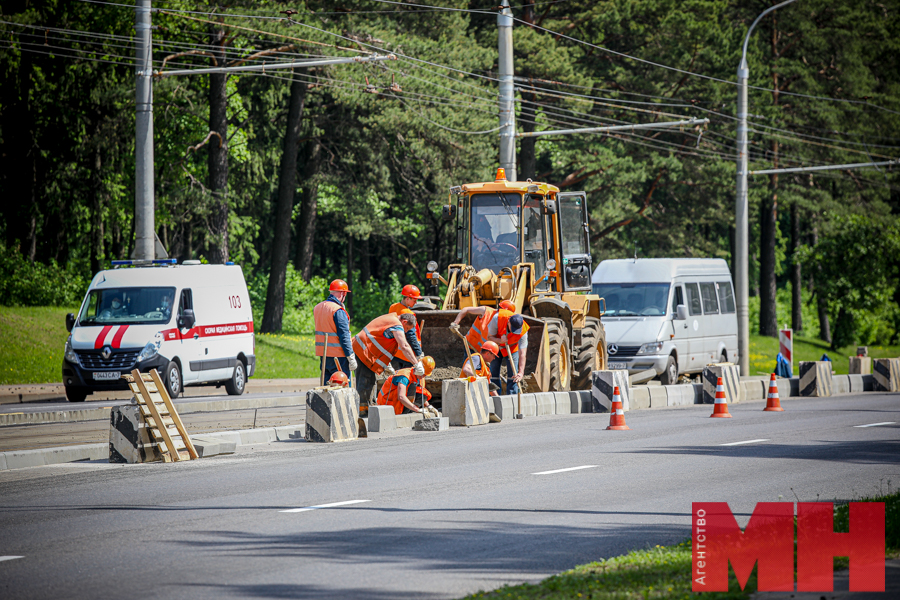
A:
(409, 295)
(333, 321)
(374, 347)
(394, 390)
(482, 362)
(503, 327)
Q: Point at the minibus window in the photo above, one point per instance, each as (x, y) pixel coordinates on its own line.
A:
(710, 302)
(128, 306)
(633, 299)
(677, 298)
(726, 298)
(693, 294)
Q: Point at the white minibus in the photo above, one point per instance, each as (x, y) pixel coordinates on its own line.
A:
(672, 315)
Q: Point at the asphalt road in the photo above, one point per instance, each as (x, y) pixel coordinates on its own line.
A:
(54, 405)
(427, 515)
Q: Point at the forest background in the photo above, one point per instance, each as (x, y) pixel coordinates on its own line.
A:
(307, 175)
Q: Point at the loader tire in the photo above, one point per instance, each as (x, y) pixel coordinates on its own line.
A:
(560, 356)
(591, 355)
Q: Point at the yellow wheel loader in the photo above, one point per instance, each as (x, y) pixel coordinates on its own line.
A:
(526, 242)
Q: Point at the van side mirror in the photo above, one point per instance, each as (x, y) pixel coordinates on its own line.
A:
(70, 322)
(550, 207)
(186, 320)
(681, 312)
(448, 213)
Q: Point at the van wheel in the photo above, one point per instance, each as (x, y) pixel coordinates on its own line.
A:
(670, 375)
(76, 394)
(235, 385)
(173, 379)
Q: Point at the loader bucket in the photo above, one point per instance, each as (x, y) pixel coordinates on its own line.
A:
(449, 352)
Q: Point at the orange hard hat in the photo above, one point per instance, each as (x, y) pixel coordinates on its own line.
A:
(508, 305)
(340, 379)
(339, 285)
(491, 347)
(428, 365)
(410, 291)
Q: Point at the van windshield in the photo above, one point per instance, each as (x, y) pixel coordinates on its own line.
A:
(634, 299)
(128, 306)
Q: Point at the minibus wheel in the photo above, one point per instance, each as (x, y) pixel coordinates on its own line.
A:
(235, 385)
(670, 375)
(173, 379)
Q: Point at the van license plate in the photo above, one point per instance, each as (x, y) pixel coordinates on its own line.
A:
(613, 366)
(106, 375)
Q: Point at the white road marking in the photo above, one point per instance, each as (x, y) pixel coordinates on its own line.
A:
(877, 424)
(2, 558)
(745, 442)
(564, 470)
(332, 505)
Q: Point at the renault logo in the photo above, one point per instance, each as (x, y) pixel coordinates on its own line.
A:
(612, 348)
(106, 352)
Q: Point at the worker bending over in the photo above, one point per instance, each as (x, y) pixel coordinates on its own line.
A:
(331, 318)
(482, 363)
(395, 390)
(506, 329)
(409, 295)
(374, 347)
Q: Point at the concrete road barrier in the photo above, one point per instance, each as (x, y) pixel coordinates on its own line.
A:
(581, 401)
(562, 403)
(856, 383)
(602, 389)
(129, 437)
(755, 389)
(545, 404)
(332, 415)
(680, 395)
(840, 384)
(815, 378)
(640, 397)
(465, 402)
(658, 396)
(731, 380)
(887, 374)
(860, 365)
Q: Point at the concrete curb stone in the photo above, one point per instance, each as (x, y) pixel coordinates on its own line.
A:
(658, 396)
(856, 383)
(562, 403)
(841, 384)
(640, 397)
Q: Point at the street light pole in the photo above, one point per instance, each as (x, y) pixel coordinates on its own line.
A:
(741, 212)
(144, 228)
(507, 92)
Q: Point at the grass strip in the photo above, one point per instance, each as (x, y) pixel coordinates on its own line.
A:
(664, 572)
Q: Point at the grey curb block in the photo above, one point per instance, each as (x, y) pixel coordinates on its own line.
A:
(207, 444)
(184, 408)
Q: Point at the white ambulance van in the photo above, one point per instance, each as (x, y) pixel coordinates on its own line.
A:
(672, 315)
(191, 322)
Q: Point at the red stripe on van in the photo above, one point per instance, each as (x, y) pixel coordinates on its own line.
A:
(101, 337)
(208, 331)
(117, 339)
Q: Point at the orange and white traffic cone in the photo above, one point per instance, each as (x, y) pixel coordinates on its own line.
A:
(773, 403)
(617, 415)
(720, 408)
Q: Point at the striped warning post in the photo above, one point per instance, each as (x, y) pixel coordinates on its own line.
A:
(815, 378)
(730, 375)
(773, 402)
(466, 402)
(332, 415)
(786, 345)
(887, 374)
(616, 414)
(720, 408)
(129, 437)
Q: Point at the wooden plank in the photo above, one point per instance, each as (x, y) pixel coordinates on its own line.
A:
(174, 414)
(170, 445)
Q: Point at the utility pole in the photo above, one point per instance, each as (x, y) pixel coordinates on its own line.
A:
(144, 227)
(507, 94)
(741, 215)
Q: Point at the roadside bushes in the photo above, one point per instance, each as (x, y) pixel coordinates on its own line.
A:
(23, 283)
(368, 302)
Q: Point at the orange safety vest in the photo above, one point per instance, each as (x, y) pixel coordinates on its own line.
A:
(389, 394)
(398, 309)
(478, 334)
(484, 371)
(323, 314)
(372, 348)
(512, 339)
